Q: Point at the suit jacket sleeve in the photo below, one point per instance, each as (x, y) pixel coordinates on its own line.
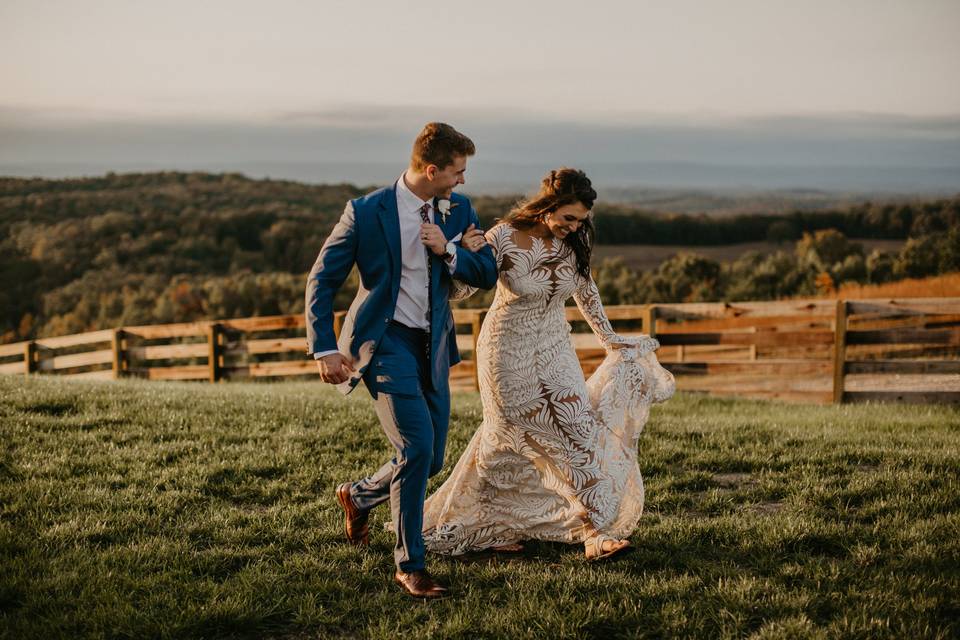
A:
(333, 264)
(476, 269)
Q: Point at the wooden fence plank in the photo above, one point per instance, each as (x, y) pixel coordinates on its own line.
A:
(91, 337)
(464, 342)
(862, 323)
(901, 351)
(12, 367)
(270, 369)
(904, 306)
(765, 367)
(703, 353)
(786, 395)
(614, 312)
(12, 349)
(169, 351)
(903, 366)
(104, 356)
(905, 336)
(268, 345)
(758, 381)
(466, 316)
(764, 339)
(779, 323)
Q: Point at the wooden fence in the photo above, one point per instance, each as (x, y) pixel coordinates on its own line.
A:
(800, 350)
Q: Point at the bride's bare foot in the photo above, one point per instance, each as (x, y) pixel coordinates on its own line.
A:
(600, 546)
(512, 547)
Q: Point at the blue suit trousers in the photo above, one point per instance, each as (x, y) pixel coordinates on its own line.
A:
(415, 417)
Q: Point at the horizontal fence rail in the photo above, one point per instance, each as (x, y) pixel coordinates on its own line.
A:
(905, 350)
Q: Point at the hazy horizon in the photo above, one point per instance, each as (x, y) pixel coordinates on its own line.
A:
(747, 94)
(839, 153)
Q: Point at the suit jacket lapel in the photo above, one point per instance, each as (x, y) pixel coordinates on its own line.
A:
(438, 262)
(390, 221)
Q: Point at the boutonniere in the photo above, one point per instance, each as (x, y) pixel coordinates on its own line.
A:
(444, 206)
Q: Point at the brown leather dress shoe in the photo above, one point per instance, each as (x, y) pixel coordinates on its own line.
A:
(419, 584)
(355, 520)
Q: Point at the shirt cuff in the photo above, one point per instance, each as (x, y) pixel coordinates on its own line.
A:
(321, 354)
(452, 265)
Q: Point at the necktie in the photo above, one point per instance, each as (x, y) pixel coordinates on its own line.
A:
(425, 217)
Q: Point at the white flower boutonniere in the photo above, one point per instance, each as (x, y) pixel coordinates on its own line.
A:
(444, 206)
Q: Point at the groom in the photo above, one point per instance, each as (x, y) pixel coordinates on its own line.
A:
(408, 241)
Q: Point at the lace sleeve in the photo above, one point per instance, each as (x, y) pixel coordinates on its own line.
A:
(587, 297)
(461, 290)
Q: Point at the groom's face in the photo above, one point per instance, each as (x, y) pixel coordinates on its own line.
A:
(446, 179)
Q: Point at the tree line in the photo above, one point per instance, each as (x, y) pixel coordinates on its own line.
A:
(83, 254)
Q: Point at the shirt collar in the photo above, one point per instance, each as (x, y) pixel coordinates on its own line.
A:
(407, 199)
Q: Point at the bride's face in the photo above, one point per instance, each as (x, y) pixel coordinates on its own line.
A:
(566, 220)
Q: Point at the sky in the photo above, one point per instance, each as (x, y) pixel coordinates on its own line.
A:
(242, 84)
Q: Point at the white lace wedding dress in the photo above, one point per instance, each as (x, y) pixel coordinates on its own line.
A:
(555, 456)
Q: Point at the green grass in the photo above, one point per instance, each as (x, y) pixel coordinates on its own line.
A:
(139, 510)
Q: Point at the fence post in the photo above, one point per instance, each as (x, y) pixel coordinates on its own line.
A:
(649, 320)
(338, 322)
(214, 331)
(475, 331)
(839, 351)
(119, 355)
(29, 357)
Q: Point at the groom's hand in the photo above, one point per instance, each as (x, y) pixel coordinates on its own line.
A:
(432, 237)
(335, 368)
(473, 239)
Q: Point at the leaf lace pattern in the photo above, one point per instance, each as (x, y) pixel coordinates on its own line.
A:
(555, 456)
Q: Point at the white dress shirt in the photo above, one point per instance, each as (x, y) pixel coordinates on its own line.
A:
(413, 301)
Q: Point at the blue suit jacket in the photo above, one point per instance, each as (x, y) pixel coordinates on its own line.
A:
(368, 235)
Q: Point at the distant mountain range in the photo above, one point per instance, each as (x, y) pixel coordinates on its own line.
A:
(625, 181)
(805, 160)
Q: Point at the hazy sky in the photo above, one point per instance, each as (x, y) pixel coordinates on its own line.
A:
(587, 61)
(836, 94)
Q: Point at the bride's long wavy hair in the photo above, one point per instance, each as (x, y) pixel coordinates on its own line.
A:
(560, 187)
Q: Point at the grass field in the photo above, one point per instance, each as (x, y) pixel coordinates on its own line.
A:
(151, 510)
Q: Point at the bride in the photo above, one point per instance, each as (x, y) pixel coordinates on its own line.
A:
(555, 457)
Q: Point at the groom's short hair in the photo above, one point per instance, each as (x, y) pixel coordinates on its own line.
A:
(439, 144)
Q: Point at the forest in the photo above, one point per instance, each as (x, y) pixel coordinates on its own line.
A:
(124, 249)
